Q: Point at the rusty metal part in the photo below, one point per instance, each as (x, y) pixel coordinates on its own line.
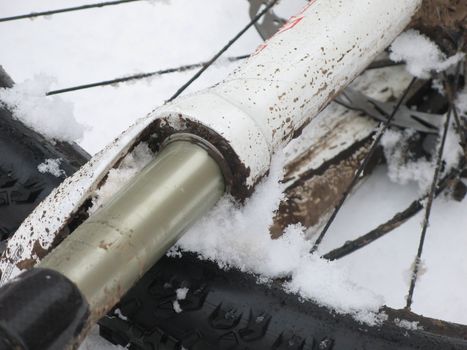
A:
(398, 219)
(309, 198)
(111, 250)
(444, 21)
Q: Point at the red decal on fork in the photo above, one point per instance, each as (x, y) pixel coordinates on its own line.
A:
(292, 22)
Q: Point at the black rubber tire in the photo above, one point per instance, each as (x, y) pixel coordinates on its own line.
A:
(22, 186)
(223, 309)
(230, 310)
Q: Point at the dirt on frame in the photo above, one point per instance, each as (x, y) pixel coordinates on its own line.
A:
(445, 21)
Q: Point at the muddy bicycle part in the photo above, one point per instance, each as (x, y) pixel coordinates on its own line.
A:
(111, 250)
(248, 135)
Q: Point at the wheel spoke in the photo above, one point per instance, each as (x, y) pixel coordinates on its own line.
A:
(426, 219)
(140, 76)
(398, 219)
(382, 128)
(439, 161)
(68, 9)
(225, 48)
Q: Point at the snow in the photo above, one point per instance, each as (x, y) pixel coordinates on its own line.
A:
(401, 169)
(407, 324)
(50, 116)
(118, 177)
(452, 148)
(180, 295)
(51, 166)
(176, 306)
(461, 101)
(425, 58)
(238, 236)
(101, 44)
(119, 314)
(163, 36)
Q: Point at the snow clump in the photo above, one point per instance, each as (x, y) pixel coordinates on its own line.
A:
(51, 166)
(403, 169)
(181, 295)
(50, 116)
(131, 165)
(420, 54)
(411, 326)
(238, 236)
(461, 101)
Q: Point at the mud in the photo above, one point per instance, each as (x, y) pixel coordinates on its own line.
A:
(311, 197)
(445, 22)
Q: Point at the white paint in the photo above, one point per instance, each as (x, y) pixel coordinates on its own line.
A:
(293, 76)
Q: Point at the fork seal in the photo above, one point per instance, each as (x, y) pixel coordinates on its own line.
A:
(208, 147)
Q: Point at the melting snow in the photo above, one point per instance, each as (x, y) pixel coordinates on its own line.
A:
(181, 295)
(426, 58)
(461, 101)
(119, 314)
(413, 326)
(50, 116)
(51, 166)
(402, 169)
(235, 236)
(129, 167)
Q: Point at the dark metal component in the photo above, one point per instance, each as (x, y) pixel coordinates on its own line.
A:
(41, 310)
(221, 51)
(382, 128)
(5, 80)
(405, 117)
(68, 9)
(397, 220)
(384, 63)
(139, 76)
(270, 24)
(426, 219)
(362, 241)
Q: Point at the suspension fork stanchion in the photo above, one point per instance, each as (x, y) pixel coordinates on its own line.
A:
(111, 250)
(114, 247)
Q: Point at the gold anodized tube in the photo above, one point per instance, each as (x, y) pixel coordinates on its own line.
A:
(113, 248)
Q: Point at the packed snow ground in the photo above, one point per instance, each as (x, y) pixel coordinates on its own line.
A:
(106, 43)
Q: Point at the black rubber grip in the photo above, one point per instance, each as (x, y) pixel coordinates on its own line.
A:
(41, 310)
